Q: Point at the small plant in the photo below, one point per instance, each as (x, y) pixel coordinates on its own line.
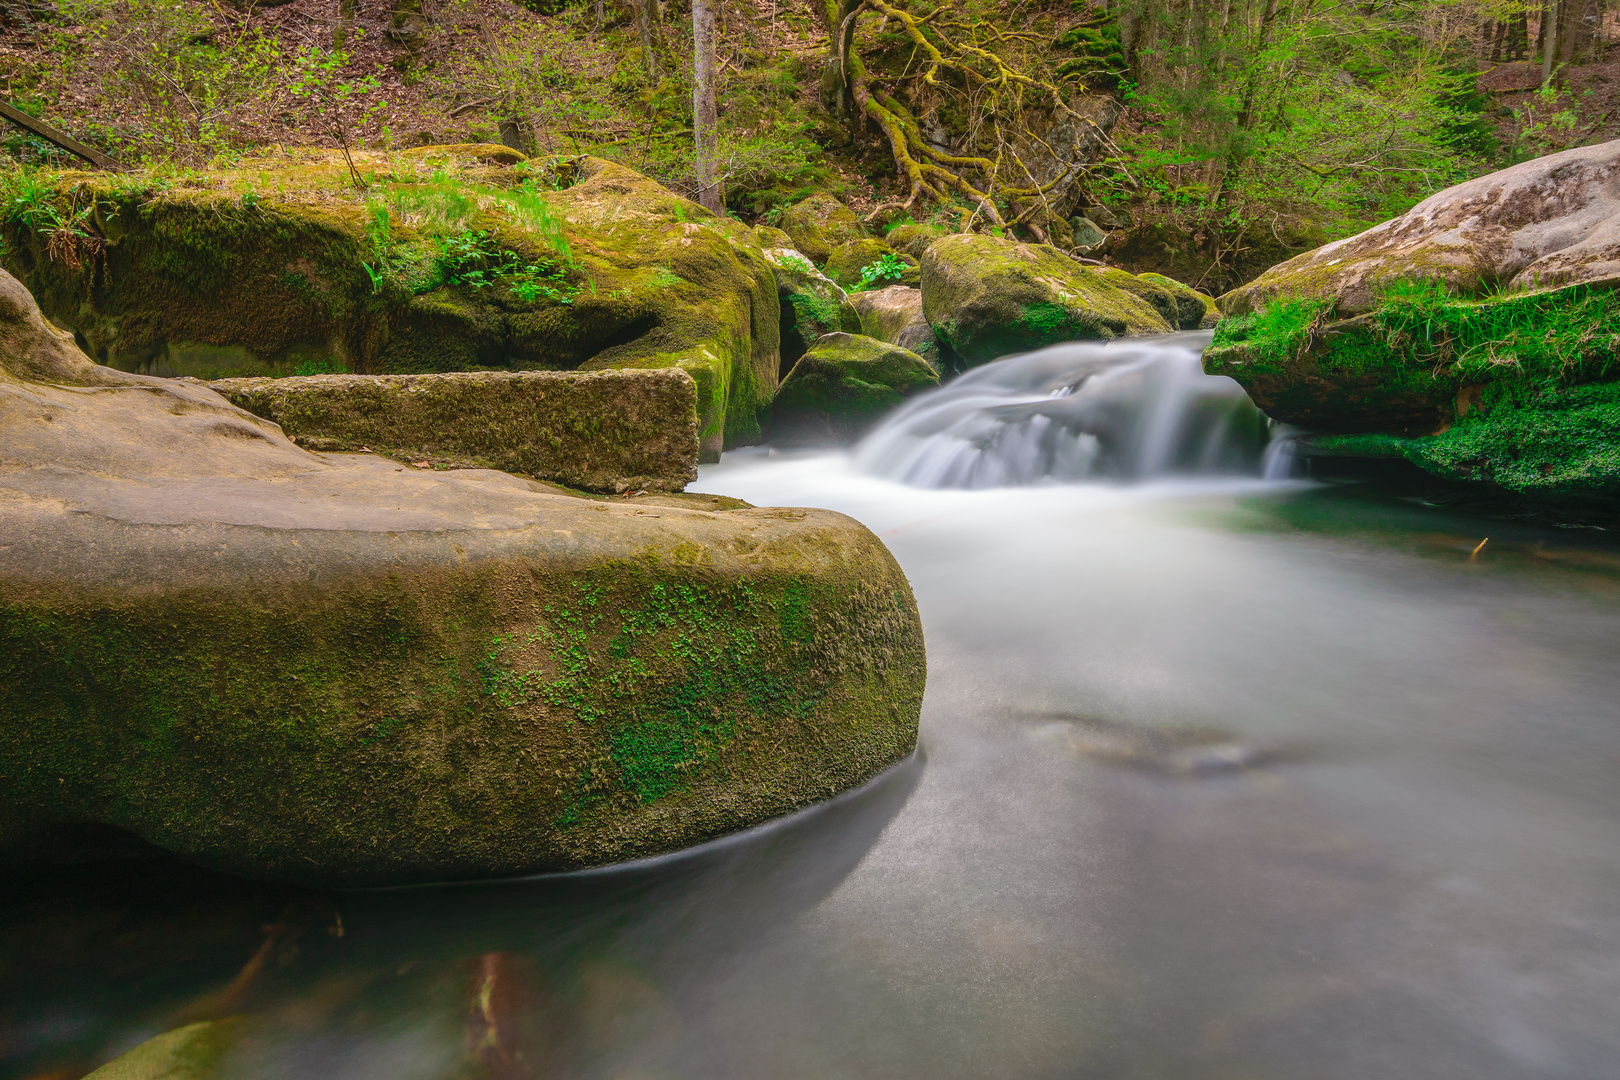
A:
(313, 77)
(888, 267)
(797, 262)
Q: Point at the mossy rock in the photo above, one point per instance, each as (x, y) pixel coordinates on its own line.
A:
(812, 304)
(1179, 305)
(987, 297)
(604, 431)
(335, 670)
(490, 153)
(820, 223)
(1209, 312)
(847, 261)
(844, 385)
(279, 266)
(1548, 447)
(1516, 392)
(769, 238)
(912, 238)
(895, 315)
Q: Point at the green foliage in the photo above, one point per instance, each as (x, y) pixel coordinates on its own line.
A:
(1559, 337)
(798, 262)
(887, 267)
(1423, 333)
(1318, 113)
(180, 88)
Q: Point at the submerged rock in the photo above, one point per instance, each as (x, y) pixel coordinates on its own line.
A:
(336, 670)
(844, 385)
(895, 315)
(599, 430)
(468, 262)
(812, 304)
(820, 223)
(986, 297)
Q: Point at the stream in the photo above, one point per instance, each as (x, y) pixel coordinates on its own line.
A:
(1220, 776)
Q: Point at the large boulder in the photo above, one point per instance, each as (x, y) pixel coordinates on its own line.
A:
(1474, 336)
(454, 262)
(812, 304)
(1545, 223)
(597, 430)
(844, 385)
(338, 670)
(986, 297)
(895, 315)
(820, 223)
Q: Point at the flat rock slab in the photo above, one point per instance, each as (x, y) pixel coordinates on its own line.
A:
(605, 431)
(337, 670)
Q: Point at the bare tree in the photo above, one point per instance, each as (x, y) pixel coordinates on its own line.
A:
(705, 118)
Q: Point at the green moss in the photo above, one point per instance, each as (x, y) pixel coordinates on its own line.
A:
(1401, 366)
(843, 385)
(1556, 442)
(464, 265)
(986, 297)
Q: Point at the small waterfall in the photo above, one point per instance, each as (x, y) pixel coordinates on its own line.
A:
(1127, 410)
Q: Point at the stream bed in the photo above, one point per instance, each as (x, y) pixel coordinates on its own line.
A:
(1219, 777)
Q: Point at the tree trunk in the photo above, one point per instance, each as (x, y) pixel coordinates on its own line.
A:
(1549, 48)
(704, 116)
(646, 17)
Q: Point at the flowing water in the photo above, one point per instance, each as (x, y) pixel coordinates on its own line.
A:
(1220, 777)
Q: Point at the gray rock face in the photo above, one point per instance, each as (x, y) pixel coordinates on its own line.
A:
(597, 430)
(895, 315)
(334, 669)
(1545, 223)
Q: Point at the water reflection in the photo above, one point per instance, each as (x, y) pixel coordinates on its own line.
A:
(533, 978)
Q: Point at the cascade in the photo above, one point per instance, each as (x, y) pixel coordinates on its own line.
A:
(1124, 410)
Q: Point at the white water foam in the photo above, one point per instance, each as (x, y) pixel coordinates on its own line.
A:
(1132, 410)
